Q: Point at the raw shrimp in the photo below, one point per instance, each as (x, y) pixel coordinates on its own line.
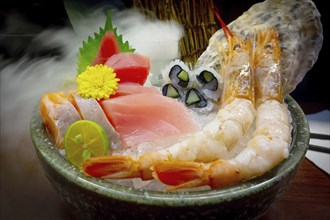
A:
(213, 141)
(301, 36)
(271, 138)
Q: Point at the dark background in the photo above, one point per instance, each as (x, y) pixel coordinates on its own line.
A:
(36, 16)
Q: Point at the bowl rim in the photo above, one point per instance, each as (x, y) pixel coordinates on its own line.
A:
(298, 148)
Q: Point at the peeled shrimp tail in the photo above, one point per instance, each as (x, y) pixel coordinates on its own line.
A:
(117, 166)
(182, 174)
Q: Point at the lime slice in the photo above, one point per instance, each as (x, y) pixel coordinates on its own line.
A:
(85, 139)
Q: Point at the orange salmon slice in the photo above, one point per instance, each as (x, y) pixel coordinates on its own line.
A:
(57, 114)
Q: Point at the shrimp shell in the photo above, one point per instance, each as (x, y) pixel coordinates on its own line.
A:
(301, 36)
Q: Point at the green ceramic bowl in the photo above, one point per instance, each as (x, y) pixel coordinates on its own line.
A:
(98, 199)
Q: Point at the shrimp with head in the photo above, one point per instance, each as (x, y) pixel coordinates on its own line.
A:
(214, 140)
(270, 140)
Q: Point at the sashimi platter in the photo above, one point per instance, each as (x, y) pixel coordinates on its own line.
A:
(212, 124)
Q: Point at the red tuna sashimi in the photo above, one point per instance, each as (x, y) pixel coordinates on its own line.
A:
(134, 88)
(146, 117)
(130, 67)
(108, 47)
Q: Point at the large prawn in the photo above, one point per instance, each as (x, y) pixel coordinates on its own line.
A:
(214, 140)
(270, 140)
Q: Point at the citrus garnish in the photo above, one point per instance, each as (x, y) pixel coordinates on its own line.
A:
(85, 139)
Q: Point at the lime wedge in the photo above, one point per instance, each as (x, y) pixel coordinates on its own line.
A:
(85, 139)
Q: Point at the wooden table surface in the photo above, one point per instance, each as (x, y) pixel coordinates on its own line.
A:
(308, 196)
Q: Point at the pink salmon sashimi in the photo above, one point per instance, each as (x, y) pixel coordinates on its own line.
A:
(130, 88)
(146, 117)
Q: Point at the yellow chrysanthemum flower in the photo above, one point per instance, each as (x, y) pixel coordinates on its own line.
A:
(97, 82)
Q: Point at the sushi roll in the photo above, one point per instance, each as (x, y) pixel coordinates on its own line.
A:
(178, 74)
(171, 91)
(198, 89)
(195, 98)
(209, 81)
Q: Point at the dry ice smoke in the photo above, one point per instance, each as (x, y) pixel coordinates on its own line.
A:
(24, 81)
(155, 38)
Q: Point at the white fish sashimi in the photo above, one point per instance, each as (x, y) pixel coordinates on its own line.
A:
(90, 109)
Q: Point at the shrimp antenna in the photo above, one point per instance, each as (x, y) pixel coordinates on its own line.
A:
(226, 30)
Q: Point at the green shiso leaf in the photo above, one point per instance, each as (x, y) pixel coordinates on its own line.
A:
(90, 47)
